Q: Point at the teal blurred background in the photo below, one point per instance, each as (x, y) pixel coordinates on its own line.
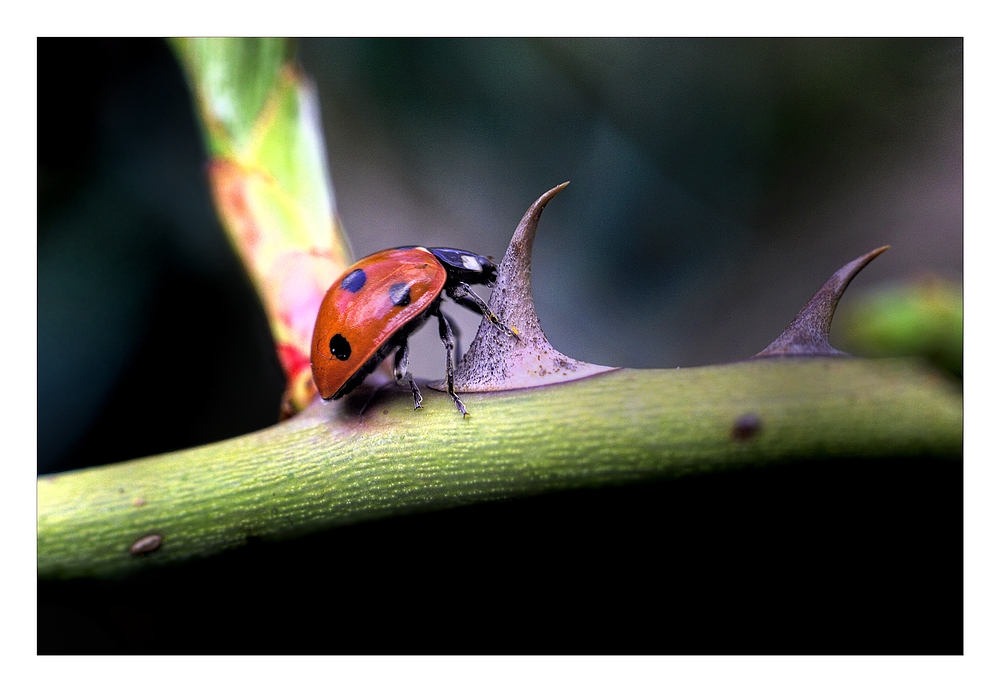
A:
(715, 184)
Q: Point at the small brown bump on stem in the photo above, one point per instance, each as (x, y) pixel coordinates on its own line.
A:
(746, 427)
(138, 502)
(146, 544)
(809, 332)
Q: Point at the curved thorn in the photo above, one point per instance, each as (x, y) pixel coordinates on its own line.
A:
(498, 360)
(809, 332)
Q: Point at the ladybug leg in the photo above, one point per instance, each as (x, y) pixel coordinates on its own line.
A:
(399, 370)
(457, 351)
(448, 339)
(463, 294)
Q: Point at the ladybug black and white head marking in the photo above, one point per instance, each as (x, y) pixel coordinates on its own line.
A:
(465, 267)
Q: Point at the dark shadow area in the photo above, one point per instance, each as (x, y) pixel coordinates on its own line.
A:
(838, 557)
(150, 336)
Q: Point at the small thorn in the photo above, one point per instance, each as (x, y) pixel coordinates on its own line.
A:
(809, 332)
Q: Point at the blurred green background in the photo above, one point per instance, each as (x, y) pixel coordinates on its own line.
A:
(715, 185)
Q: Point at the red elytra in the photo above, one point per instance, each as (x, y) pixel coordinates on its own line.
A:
(375, 305)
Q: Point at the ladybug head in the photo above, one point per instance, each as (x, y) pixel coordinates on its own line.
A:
(465, 266)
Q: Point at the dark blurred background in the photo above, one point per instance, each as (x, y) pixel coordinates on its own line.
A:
(716, 184)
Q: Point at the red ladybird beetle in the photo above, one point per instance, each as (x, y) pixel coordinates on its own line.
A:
(372, 309)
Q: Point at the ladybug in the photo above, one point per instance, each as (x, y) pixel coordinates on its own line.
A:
(372, 309)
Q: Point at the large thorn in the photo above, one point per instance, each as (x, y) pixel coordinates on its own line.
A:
(496, 360)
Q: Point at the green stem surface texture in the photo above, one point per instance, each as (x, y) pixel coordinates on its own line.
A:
(337, 464)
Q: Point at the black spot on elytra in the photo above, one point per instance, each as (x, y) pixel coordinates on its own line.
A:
(400, 294)
(340, 347)
(354, 281)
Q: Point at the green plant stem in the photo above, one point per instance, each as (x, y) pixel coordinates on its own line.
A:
(332, 466)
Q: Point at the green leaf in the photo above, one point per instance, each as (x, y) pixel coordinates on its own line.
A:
(919, 318)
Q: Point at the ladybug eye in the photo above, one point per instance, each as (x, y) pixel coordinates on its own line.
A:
(340, 347)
